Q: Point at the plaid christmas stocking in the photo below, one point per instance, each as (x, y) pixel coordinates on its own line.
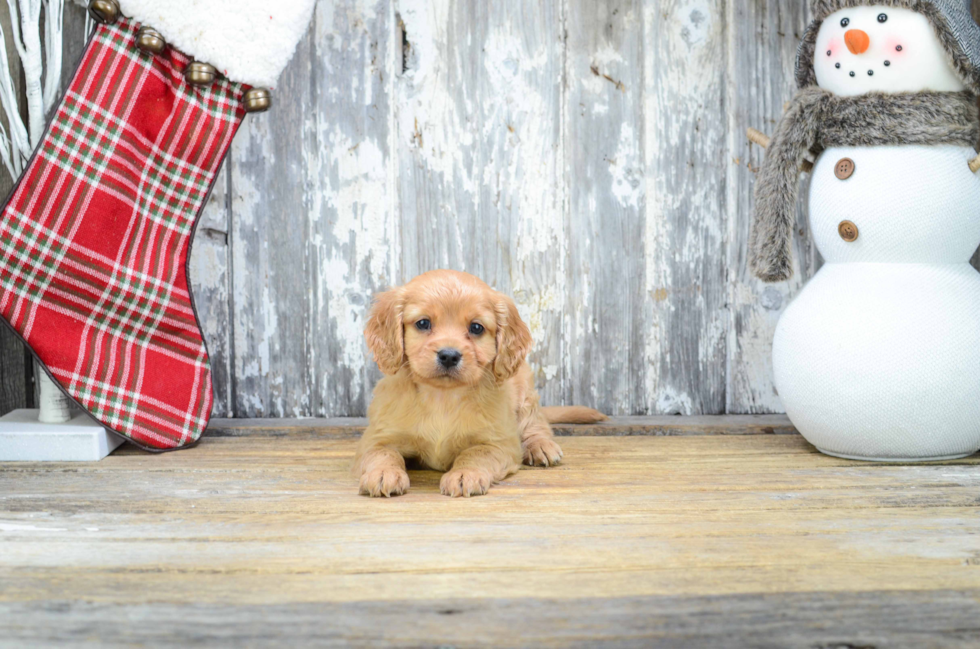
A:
(95, 237)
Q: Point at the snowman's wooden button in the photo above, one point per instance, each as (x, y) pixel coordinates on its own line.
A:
(848, 231)
(844, 168)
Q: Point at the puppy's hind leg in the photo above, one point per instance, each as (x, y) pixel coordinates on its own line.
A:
(538, 441)
(382, 471)
(476, 469)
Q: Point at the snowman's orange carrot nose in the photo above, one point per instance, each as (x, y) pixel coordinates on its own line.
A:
(857, 41)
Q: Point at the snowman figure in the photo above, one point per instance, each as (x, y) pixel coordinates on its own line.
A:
(878, 358)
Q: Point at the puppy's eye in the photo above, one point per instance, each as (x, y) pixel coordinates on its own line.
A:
(882, 18)
(476, 329)
(845, 22)
(423, 325)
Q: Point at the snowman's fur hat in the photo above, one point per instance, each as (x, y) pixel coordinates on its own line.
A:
(954, 25)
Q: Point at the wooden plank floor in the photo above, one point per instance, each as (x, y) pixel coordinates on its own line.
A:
(257, 537)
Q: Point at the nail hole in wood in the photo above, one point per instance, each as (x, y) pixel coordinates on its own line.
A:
(403, 43)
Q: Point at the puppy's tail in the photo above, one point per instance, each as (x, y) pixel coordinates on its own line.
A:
(572, 415)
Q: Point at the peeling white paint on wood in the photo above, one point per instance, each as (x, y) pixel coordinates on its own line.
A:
(684, 296)
(353, 236)
(762, 38)
(586, 156)
(209, 271)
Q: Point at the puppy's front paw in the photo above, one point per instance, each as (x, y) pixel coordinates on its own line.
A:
(542, 451)
(386, 482)
(465, 482)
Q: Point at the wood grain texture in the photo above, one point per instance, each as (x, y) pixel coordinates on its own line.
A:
(603, 173)
(353, 235)
(16, 373)
(586, 156)
(211, 282)
(893, 619)
(247, 539)
(577, 155)
(763, 36)
(683, 307)
(271, 289)
(74, 40)
(312, 236)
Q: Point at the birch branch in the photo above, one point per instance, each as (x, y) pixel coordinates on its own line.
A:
(33, 61)
(760, 138)
(20, 139)
(15, 22)
(18, 146)
(975, 164)
(5, 152)
(54, 18)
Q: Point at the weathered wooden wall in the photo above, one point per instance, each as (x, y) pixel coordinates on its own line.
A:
(586, 156)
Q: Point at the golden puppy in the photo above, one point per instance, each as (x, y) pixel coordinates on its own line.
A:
(459, 395)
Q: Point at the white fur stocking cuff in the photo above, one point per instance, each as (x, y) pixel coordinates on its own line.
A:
(249, 41)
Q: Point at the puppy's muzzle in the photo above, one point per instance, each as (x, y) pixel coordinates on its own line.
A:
(449, 358)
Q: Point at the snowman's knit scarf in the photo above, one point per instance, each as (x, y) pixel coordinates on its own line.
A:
(817, 119)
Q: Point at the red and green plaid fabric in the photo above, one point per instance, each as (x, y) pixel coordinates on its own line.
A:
(94, 240)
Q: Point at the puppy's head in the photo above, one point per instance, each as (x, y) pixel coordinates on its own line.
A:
(449, 329)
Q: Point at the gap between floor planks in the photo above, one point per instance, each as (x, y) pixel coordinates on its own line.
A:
(646, 426)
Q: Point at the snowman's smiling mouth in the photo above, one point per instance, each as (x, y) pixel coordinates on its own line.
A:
(853, 73)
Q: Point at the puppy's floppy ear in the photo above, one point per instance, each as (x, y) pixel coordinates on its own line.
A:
(513, 339)
(383, 333)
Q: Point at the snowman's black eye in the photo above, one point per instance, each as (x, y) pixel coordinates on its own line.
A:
(845, 22)
(882, 18)
(837, 66)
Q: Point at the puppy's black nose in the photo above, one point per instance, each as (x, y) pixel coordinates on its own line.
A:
(449, 357)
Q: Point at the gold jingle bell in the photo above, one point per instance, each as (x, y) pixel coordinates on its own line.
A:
(200, 74)
(104, 11)
(258, 100)
(150, 41)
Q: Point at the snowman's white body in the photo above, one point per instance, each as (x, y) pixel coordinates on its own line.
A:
(879, 356)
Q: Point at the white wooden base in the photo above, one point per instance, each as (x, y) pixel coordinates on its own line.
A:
(24, 439)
